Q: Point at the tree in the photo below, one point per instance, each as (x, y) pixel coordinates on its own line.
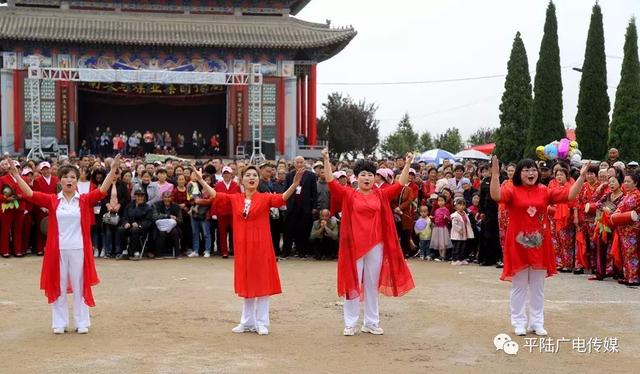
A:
(625, 123)
(515, 108)
(546, 114)
(403, 140)
(426, 141)
(592, 119)
(450, 140)
(351, 128)
(483, 135)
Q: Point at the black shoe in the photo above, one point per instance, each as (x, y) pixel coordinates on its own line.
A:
(578, 271)
(499, 265)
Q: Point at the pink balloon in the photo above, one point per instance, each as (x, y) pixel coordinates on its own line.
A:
(563, 148)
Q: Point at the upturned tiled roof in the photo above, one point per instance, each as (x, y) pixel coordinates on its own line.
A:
(147, 29)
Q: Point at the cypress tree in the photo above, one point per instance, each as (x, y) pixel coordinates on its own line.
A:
(625, 123)
(592, 119)
(515, 109)
(546, 112)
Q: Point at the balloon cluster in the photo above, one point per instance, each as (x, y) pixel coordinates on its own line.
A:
(562, 149)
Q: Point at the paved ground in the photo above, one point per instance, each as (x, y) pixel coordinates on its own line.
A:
(175, 316)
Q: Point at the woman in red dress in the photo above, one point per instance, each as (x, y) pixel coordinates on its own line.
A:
(68, 256)
(586, 205)
(563, 225)
(255, 274)
(629, 234)
(369, 257)
(528, 253)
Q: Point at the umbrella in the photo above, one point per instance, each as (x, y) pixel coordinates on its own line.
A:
(472, 154)
(436, 156)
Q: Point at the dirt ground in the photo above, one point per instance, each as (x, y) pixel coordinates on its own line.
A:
(175, 316)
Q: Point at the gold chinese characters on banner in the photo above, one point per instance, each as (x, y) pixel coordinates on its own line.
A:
(153, 88)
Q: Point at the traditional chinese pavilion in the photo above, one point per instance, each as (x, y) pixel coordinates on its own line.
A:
(164, 35)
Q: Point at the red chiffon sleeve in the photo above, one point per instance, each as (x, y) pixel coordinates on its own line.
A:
(506, 192)
(558, 195)
(276, 200)
(40, 199)
(392, 191)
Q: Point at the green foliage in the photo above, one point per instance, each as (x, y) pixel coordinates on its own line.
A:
(426, 141)
(483, 135)
(515, 108)
(403, 140)
(350, 127)
(592, 119)
(625, 123)
(546, 114)
(450, 140)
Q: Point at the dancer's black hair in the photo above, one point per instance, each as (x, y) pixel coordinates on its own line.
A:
(364, 165)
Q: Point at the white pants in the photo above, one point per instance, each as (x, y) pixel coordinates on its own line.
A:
(255, 312)
(368, 273)
(532, 281)
(71, 266)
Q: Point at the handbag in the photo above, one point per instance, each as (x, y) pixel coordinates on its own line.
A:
(111, 219)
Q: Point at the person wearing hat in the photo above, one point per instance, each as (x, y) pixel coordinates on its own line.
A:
(135, 223)
(316, 166)
(222, 209)
(45, 183)
(12, 214)
(381, 179)
(167, 218)
(632, 167)
(255, 268)
(68, 260)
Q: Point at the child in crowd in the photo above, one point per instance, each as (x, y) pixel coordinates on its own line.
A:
(476, 224)
(461, 232)
(440, 238)
(422, 228)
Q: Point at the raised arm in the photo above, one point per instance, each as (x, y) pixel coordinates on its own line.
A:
(577, 186)
(26, 190)
(106, 184)
(296, 182)
(404, 176)
(495, 179)
(205, 186)
(328, 175)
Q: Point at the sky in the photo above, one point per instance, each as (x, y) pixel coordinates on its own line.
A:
(425, 40)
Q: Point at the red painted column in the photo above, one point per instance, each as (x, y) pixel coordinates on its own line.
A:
(281, 114)
(298, 106)
(312, 122)
(18, 105)
(303, 107)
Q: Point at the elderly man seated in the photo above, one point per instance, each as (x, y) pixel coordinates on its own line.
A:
(135, 224)
(324, 236)
(167, 217)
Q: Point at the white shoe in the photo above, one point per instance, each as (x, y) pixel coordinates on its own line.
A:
(82, 330)
(540, 331)
(207, 254)
(242, 328)
(464, 262)
(437, 260)
(520, 331)
(103, 254)
(59, 330)
(262, 330)
(455, 263)
(374, 330)
(125, 253)
(96, 252)
(193, 254)
(349, 331)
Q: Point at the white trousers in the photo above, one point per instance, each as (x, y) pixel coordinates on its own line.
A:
(368, 273)
(255, 312)
(531, 281)
(71, 266)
